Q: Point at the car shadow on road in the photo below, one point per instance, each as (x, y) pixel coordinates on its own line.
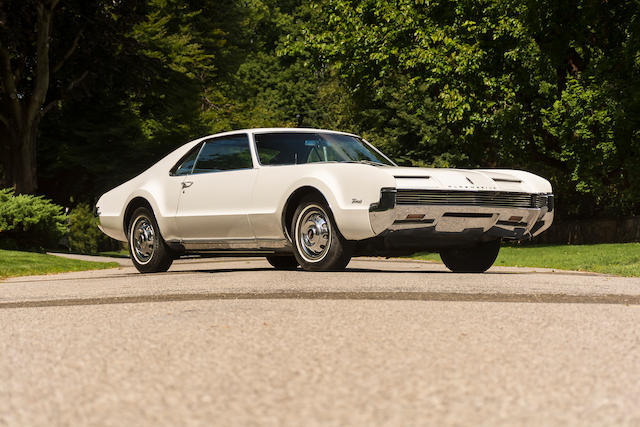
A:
(404, 271)
(347, 271)
(353, 270)
(301, 271)
(489, 272)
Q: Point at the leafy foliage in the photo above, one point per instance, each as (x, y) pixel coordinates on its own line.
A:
(30, 222)
(146, 103)
(84, 235)
(548, 86)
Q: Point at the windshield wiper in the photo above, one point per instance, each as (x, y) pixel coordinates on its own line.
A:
(367, 162)
(364, 162)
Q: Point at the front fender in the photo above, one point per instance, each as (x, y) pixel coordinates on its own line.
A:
(348, 188)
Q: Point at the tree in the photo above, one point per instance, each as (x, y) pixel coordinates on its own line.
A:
(25, 82)
(123, 73)
(268, 85)
(40, 41)
(146, 100)
(550, 86)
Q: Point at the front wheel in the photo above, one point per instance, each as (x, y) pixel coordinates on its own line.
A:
(148, 250)
(318, 244)
(477, 259)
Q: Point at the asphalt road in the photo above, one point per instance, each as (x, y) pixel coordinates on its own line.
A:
(235, 342)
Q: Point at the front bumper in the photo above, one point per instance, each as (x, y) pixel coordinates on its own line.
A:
(506, 222)
(96, 217)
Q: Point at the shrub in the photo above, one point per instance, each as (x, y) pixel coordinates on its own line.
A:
(84, 235)
(30, 222)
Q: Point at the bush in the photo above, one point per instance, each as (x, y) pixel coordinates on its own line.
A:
(84, 235)
(30, 222)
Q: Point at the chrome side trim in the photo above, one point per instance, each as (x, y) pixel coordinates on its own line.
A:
(232, 244)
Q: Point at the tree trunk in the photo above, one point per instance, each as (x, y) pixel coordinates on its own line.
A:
(24, 110)
(19, 167)
(5, 155)
(24, 161)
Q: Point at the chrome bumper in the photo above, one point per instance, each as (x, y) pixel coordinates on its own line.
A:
(514, 223)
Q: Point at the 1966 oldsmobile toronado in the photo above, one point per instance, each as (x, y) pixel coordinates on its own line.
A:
(315, 198)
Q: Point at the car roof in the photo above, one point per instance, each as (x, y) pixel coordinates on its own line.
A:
(274, 130)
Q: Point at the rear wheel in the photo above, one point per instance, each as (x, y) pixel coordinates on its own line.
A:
(284, 262)
(477, 259)
(148, 250)
(318, 244)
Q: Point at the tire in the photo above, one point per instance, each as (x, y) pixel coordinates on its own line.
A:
(148, 250)
(288, 262)
(318, 244)
(477, 259)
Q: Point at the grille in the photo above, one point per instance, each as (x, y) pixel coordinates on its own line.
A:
(471, 198)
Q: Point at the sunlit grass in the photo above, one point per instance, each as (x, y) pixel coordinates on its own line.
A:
(621, 259)
(123, 253)
(17, 263)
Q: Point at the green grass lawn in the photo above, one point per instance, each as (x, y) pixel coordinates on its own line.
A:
(621, 259)
(123, 253)
(15, 263)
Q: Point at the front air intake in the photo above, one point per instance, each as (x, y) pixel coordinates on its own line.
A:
(471, 198)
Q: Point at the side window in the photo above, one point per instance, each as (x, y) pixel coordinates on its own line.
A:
(185, 165)
(224, 153)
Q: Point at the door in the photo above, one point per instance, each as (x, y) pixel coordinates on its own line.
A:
(216, 195)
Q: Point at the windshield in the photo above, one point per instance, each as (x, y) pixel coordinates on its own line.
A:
(290, 148)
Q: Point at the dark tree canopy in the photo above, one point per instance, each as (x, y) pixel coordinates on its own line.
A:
(547, 86)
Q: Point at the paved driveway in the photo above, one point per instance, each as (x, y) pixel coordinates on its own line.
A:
(235, 342)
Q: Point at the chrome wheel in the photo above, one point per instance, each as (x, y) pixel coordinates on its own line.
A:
(149, 252)
(318, 244)
(313, 232)
(143, 240)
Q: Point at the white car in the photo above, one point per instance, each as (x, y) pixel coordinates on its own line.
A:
(315, 198)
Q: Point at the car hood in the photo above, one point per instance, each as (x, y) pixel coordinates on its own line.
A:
(468, 180)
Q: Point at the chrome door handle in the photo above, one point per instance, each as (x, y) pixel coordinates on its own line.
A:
(186, 184)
